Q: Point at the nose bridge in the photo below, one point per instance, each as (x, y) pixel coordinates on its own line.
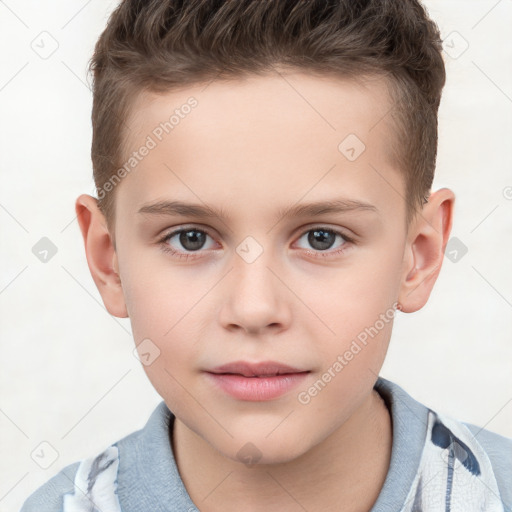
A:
(255, 297)
(253, 261)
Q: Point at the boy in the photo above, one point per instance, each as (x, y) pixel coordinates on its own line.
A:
(297, 142)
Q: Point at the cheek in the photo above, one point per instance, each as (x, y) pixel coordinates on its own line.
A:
(160, 329)
(166, 318)
(158, 297)
(357, 308)
(352, 298)
(165, 324)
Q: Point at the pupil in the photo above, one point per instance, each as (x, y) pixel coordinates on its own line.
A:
(192, 240)
(321, 239)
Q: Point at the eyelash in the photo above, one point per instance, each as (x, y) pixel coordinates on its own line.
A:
(316, 253)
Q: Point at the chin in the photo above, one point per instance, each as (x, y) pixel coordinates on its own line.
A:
(263, 451)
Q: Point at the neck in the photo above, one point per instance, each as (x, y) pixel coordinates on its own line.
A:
(345, 471)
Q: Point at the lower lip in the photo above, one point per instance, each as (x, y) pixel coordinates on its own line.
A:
(257, 389)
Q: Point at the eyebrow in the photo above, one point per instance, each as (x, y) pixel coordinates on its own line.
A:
(302, 210)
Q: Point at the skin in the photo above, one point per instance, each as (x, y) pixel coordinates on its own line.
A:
(251, 147)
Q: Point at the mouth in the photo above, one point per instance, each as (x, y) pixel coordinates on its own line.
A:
(262, 369)
(256, 381)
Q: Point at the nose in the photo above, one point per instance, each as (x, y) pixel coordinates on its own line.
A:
(254, 297)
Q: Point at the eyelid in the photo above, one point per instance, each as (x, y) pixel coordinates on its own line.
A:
(184, 227)
(171, 232)
(326, 227)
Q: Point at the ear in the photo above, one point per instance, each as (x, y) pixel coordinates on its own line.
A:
(424, 252)
(101, 254)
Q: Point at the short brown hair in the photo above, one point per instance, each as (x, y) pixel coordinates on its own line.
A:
(160, 45)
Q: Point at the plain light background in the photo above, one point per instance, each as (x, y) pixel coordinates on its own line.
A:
(68, 376)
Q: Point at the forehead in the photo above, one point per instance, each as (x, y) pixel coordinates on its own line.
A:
(328, 103)
(286, 134)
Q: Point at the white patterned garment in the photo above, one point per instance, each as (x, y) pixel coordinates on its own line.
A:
(455, 475)
(95, 485)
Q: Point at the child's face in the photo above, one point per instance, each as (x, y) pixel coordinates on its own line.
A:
(258, 288)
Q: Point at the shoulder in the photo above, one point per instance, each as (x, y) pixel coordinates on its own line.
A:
(48, 497)
(89, 483)
(498, 447)
(499, 450)
(443, 446)
(94, 480)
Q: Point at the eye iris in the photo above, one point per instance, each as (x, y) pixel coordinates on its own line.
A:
(192, 240)
(320, 239)
(325, 239)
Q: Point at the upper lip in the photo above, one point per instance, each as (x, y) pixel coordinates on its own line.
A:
(260, 369)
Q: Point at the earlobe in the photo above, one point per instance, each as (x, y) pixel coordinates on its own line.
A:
(424, 253)
(101, 254)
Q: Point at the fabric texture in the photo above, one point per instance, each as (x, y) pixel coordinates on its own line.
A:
(438, 464)
(95, 485)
